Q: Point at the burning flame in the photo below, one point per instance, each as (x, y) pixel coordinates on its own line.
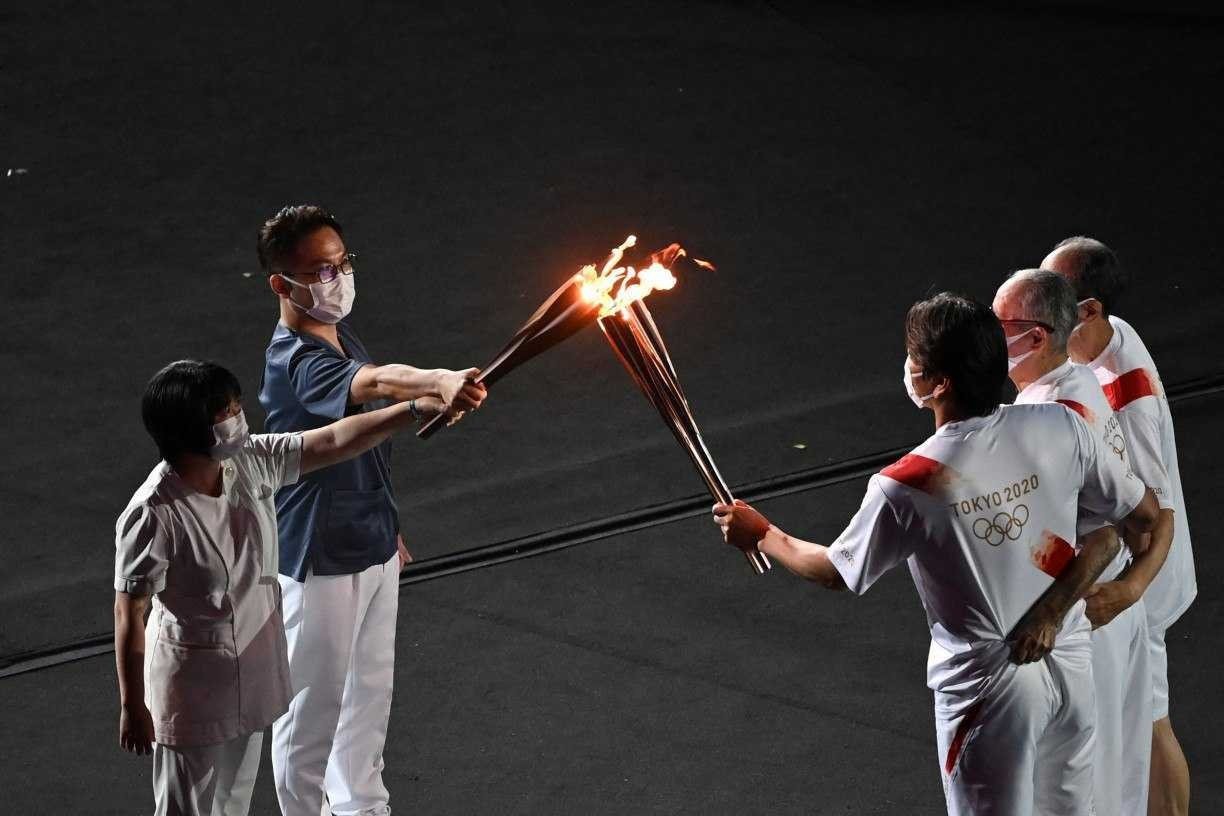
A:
(615, 287)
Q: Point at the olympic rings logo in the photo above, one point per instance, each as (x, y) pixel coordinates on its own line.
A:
(1004, 526)
(1118, 445)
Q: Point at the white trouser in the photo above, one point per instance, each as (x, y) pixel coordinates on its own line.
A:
(1026, 747)
(206, 780)
(341, 635)
(1123, 675)
(1159, 655)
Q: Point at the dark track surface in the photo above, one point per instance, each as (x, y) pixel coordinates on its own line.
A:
(647, 673)
(837, 164)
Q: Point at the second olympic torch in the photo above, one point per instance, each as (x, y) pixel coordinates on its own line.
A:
(638, 343)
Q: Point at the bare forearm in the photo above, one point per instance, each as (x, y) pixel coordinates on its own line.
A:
(352, 436)
(130, 648)
(1145, 516)
(1098, 549)
(1146, 564)
(804, 558)
(400, 382)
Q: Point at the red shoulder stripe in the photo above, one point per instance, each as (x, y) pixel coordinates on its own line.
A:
(1129, 387)
(1077, 407)
(916, 471)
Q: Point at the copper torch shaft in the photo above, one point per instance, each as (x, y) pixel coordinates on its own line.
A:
(561, 315)
(639, 345)
(645, 329)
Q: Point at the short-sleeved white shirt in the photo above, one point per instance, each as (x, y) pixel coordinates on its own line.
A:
(1076, 387)
(984, 511)
(216, 664)
(1132, 386)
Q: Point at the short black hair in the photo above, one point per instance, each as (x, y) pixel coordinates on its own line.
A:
(960, 339)
(1095, 271)
(279, 235)
(180, 403)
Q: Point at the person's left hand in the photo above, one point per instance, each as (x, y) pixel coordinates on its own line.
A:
(405, 557)
(743, 527)
(1106, 601)
(1033, 638)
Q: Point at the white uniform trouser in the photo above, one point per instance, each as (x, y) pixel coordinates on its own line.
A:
(206, 780)
(341, 635)
(1026, 747)
(1159, 654)
(1123, 675)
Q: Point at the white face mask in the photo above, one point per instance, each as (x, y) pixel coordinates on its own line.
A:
(1012, 362)
(229, 437)
(908, 379)
(332, 300)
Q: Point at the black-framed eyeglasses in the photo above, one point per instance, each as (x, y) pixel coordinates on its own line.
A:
(329, 272)
(1040, 323)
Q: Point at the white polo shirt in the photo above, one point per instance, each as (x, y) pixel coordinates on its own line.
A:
(1076, 387)
(1133, 389)
(216, 664)
(984, 511)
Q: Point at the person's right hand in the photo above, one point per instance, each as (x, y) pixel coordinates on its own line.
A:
(460, 392)
(742, 525)
(136, 728)
(1034, 638)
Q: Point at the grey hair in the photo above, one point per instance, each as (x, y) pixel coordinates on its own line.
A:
(1048, 297)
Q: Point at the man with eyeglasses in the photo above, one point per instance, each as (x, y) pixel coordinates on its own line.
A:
(1111, 348)
(1037, 310)
(341, 548)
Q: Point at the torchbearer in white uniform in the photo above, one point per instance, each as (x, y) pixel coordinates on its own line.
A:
(197, 543)
(1124, 368)
(983, 512)
(1038, 312)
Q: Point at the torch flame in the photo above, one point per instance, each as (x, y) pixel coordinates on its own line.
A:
(615, 287)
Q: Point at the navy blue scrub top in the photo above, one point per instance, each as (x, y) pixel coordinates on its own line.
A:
(341, 519)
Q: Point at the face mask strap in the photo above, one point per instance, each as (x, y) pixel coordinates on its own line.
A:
(919, 400)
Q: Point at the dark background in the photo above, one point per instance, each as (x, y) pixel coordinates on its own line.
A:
(837, 161)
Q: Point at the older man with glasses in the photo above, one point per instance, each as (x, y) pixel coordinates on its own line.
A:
(1038, 312)
(340, 545)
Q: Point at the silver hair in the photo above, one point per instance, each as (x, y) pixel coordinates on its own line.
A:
(1048, 297)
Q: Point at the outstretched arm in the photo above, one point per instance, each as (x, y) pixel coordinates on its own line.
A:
(354, 435)
(398, 382)
(745, 528)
